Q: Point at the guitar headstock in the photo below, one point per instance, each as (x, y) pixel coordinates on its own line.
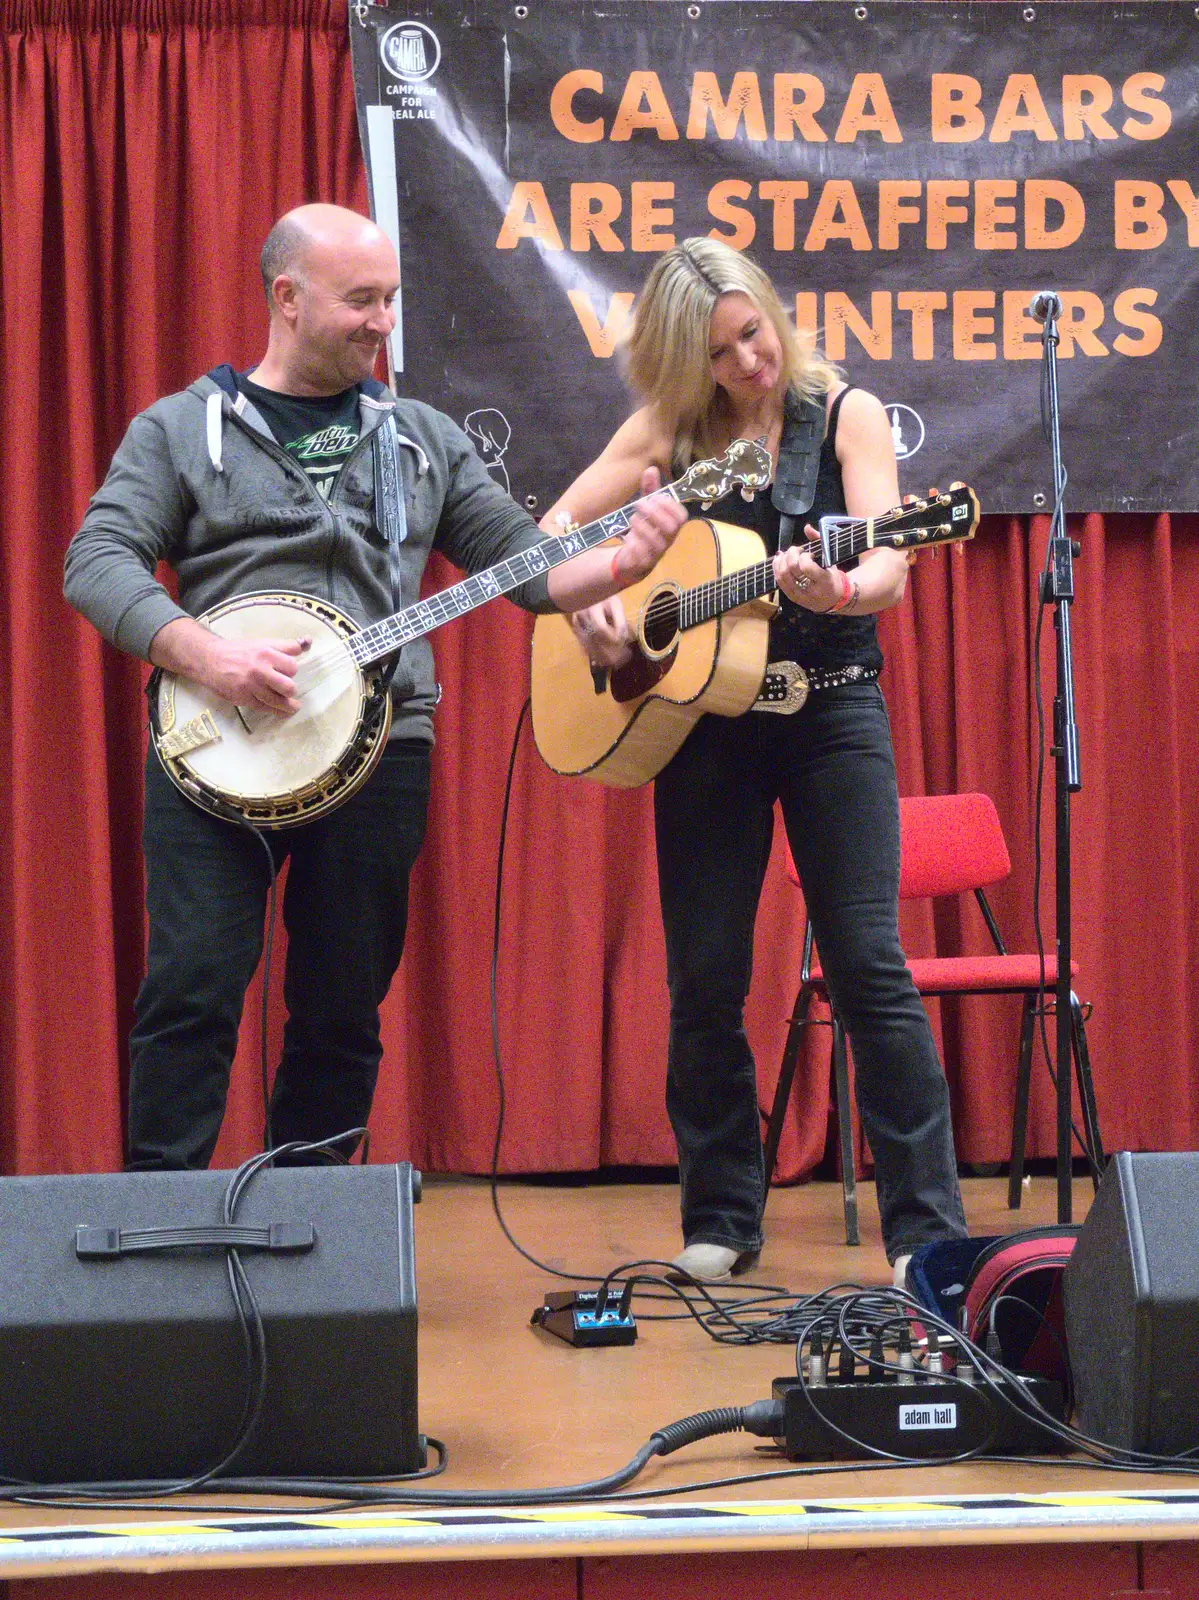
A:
(938, 519)
(744, 463)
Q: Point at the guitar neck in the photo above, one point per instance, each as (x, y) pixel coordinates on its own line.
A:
(708, 600)
(381, 639)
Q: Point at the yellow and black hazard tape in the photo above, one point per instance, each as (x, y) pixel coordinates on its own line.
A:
(293, 1536)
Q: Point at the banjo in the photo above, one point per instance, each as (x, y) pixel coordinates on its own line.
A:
(250, 765)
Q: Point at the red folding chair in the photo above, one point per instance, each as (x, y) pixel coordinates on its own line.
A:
(949, 844)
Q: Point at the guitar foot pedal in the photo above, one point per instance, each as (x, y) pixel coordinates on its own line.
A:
(581, 1318)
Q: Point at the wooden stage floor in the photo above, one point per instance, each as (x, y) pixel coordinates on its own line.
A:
(520, 1409)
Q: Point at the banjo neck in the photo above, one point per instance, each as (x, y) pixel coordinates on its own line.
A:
(744, 463)
(380, 639)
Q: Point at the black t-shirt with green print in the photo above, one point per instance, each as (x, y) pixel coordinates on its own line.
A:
(317, 431)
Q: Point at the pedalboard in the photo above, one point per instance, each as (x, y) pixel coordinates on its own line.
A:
(582, 1319)
(934, 1417)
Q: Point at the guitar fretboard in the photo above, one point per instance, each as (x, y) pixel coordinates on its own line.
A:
(708, 600)
(380, 639)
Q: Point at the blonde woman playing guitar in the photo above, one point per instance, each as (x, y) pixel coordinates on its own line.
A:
(713, 357)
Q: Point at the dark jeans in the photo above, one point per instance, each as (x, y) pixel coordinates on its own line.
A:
(832, 768)
(345, 908)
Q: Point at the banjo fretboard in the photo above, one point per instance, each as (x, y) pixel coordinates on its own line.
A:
(380, 639)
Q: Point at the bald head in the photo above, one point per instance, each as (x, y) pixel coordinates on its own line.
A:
(331, 277)
(311, 230)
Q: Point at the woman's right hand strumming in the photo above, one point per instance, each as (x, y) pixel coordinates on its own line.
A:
(603, 633)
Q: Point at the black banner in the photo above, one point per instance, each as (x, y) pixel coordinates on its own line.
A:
(909, 174)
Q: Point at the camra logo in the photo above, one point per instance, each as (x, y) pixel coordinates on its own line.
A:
(907, 430)
(410, 51)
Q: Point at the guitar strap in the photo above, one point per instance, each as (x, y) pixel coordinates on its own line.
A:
(391, 513)
(794, 487)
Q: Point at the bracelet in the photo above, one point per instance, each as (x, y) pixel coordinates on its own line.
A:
(847, 592)
(617, 579)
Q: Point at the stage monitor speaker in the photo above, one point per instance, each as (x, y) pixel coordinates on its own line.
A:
(132, 1365)
(1131, 1293)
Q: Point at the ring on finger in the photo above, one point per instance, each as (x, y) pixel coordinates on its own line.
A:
(803, 582)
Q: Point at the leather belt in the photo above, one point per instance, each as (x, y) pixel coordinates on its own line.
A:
(787, 685)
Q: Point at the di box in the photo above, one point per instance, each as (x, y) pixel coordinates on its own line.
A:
(133, 1365)
(1131, 1292)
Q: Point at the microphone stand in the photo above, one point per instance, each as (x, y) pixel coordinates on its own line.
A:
(1057, 589)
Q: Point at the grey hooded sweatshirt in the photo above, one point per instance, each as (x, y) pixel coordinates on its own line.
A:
(200, 483)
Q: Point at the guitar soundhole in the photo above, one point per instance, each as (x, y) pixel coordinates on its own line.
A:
(661, 622)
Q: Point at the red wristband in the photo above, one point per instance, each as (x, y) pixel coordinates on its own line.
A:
(616, 577)
(846, 591)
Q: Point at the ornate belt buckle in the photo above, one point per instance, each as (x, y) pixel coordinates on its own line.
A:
(784, 688)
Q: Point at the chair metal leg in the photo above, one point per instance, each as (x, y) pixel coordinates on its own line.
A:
(1020, 1113)
(849, 1176)
(782, 1094)
(1086, 1087)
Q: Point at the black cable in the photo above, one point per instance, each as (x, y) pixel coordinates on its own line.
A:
(1042, 1325)
(762, 1417)
(719, 1311)
(574, 1277)
(133, 1494)
(634, 1496)
(717, 1307)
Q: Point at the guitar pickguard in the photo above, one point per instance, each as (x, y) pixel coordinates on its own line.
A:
(639, 675)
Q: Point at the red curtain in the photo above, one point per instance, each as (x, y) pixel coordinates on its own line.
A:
(147, 145)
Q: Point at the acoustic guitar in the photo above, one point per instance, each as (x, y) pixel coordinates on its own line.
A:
(701, 622)
(248, 764)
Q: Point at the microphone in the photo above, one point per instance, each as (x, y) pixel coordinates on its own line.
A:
(1044, 305)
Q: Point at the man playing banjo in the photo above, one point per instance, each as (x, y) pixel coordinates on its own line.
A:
(276, 480)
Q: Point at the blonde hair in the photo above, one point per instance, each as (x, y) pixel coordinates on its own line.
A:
(666, 355)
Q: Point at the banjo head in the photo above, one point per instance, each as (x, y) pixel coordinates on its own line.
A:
(276, 771)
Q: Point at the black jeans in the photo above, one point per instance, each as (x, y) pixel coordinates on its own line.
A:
(832, 767)
(345, 908)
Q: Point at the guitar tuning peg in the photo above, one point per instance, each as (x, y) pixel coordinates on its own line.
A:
(910, 500)
(934, 494)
